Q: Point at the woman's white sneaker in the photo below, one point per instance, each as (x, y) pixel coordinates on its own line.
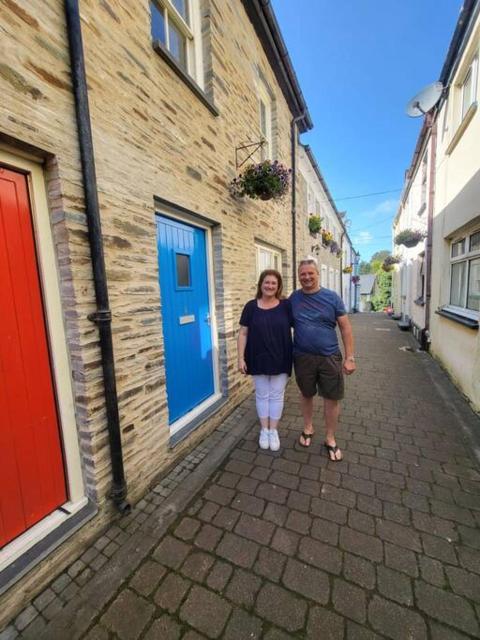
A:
(264, 440)
(274, 440)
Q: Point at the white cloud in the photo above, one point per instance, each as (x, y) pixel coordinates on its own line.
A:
(364, 237)
(387, 206)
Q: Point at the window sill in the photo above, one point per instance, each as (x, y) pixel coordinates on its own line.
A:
(471, 323)
(461, 128)
(183, 75)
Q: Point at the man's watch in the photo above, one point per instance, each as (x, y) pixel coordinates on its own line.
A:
(351, 358)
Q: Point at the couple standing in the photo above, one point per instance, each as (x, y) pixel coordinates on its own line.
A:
(265, 351)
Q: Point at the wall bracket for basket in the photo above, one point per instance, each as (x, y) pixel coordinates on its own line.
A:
(243, 147)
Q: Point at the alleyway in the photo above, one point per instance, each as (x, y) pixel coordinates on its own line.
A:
(385, 544)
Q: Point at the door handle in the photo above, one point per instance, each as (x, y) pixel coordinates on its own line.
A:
(208, 319)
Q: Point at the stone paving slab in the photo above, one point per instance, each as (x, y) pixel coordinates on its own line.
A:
(385, 544)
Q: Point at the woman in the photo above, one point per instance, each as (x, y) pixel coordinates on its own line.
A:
(265, 352)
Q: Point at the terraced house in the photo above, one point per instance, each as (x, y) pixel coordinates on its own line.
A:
(125, 258)
(437, 284)
(331, 244)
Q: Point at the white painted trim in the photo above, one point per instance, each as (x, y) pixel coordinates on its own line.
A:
(54, 319)
(27, 540)
(191, 415)
(191, 220)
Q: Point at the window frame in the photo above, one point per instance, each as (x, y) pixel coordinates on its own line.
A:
(324, 276)
(266, 132)
(274, 251)
(466, 257)
(189, 28)
(424, 182)
(460, 113)
(472, 72)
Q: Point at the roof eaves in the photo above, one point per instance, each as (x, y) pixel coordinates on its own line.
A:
(266, 26)
(465, 21)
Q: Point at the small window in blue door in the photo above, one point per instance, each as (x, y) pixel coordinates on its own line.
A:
(183, 272)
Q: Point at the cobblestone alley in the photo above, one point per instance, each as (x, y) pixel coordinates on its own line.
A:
(241, 544)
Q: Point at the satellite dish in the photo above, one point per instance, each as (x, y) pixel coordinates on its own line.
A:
(428, 97)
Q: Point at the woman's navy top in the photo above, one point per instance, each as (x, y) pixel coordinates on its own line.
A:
(269, 340)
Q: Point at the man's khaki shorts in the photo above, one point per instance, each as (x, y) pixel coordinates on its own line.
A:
(320, 374)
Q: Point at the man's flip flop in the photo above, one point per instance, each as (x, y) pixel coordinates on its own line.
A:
(306, 437)
(332, 451)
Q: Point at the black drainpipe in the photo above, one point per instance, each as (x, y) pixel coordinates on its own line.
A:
(293, 136)
(102, 316)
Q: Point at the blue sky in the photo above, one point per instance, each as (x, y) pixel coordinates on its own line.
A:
(358, 63)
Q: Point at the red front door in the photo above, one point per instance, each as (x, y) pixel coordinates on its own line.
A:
(32, 480)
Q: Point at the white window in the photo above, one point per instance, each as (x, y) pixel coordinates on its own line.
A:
(323, 276)
(337, 281)
(465, 274)
(469, 87)
(331, 278)
(310, 200)
(420, 299)
(423, 203)
(176, 28)
(268, 258)
(265, 110)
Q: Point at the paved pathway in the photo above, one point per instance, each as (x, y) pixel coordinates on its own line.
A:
(247, 544)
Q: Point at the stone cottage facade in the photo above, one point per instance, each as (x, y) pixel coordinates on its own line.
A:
(179, 94)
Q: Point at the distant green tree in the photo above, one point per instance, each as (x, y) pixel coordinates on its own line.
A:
(365, 267)
(376, 266)
(380, 255)
(384, 291)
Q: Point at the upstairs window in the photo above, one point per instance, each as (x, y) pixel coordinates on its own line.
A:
(265, 110)
(175, 26)
(423, 197)
(469, 87)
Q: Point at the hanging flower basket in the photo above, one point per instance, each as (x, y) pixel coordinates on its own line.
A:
(327, 237)
(355, 279)
(335, 248)
(348, 269)
(262, 181)
(314, 223)
(409, 237)
(389, 263)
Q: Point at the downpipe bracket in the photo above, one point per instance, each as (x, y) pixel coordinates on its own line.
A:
(117, 495)
(100, 316)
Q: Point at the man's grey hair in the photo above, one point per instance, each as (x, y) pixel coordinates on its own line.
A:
(309, 260)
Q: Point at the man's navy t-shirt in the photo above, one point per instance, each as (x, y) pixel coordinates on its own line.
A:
(315, 318)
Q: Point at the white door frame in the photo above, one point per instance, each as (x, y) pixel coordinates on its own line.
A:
(57, 342)
(191, 219)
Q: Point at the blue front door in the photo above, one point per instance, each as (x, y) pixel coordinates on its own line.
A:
(187, 334)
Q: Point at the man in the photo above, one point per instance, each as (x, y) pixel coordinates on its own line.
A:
(319, 366)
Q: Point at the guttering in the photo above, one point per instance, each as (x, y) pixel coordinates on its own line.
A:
(102, 316)
(266, 26)
(465, 22)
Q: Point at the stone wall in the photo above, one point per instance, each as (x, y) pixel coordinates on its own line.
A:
(153, 139)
